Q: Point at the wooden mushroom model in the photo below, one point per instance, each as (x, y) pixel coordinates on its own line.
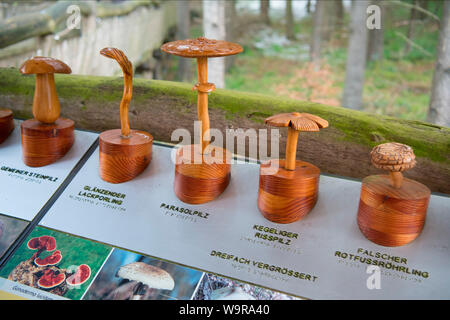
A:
(6, 123)
(392, 209)
(124, 153)
(288, 188)
(47, 137)
(146, 277)
(202, 181)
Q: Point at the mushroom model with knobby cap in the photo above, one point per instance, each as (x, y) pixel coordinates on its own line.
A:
(296, 122)
(392, 209)
(394, 157)
(146, 275)
(46, 106)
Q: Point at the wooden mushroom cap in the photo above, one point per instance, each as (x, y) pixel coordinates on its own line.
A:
(39, 65)
(393, 156)
(201, 47)
(297, 121)
(152, 276)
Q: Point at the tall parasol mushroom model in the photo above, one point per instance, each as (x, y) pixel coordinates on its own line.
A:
(202, 181)
(392, 209)
(47, 137)
(288, 188)
(124, 153)
(146, 276)
(6, 123)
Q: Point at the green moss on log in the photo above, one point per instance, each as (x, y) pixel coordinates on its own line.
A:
(429, 141)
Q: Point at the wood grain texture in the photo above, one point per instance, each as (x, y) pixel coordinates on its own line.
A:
(122, 159)
(197, 183)
(287, 195)
(6, 123)
(43, 144)
(391, 216)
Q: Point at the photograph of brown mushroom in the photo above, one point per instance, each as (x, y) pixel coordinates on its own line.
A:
(289, 192)
(56, 263)
(197, 183)
(6, 123)
(131, 276)
(124, 153)
(392, 209)
(47, 137)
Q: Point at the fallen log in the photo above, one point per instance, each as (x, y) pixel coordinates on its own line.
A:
(342, 149)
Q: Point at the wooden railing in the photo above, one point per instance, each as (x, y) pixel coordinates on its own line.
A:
(160, 107)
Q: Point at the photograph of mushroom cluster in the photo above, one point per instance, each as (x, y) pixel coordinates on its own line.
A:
(56, 262)
(131, 276)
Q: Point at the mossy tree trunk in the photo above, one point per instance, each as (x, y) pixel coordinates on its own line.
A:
(160, 107)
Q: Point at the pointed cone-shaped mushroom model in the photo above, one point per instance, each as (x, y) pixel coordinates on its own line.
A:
(392, 209)
(124, 153)
(288, 188)
(47, 137)
(202, 171)
(6, 123)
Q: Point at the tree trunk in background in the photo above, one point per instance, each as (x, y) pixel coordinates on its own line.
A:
(410, 32)
(184, 72)
(289, 21)
(329, 19)
(375, 50)
(439, 111)
(264, 11)
(356, 56)
(308, 6)
(214, 28)
(316, 40)
(230, 23)
(339, 4)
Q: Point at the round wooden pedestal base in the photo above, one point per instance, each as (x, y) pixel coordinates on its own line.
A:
(287, 195)
(389, 216)
(6, 123)
(201, 182)
(122, 159)
(43, 143)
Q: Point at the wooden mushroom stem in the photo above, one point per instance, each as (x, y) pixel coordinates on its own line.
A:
(46, 106)
(202, 101)
(291, 149)
(396, 178)
(124, 105)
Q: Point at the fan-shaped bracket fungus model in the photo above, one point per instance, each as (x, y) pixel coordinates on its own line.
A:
(47, 137)
(124, 153)
(288, 188)
(6, 123)
(392, 209)
(202, 171)
(146, 277)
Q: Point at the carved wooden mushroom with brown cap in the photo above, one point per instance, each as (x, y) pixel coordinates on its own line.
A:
(392, 209)
(124, 153)
(6, 123)
(395, 158)
(288, 188)
(146, 276)
(197, 183)
(47, 137)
